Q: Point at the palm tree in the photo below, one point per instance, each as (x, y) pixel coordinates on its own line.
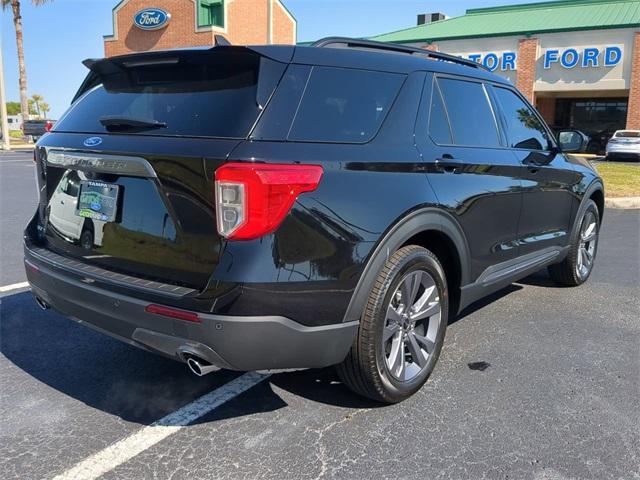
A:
(44, 106)
(17, 23)
(37, 101)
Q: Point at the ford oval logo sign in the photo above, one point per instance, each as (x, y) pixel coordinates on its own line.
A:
(151, 19)
(92, 142)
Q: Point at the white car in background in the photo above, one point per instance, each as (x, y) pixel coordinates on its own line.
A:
(624, 145)
(63, 215)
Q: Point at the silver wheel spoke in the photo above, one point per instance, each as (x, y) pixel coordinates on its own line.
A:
(589, 233)
(580, 258)
(427, 296)
(390, 331)
(409, 288)
(427, 344)
(428, 311)
(392, 314)
(416, 351)
(396, 358)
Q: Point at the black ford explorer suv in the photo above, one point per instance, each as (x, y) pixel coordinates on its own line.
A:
(277, 207)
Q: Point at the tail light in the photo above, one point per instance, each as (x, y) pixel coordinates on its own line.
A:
(252, 199)
(48, 125)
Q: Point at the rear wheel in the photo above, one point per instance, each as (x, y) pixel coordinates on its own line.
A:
(86, 239)
(402, 328)
(576, 268)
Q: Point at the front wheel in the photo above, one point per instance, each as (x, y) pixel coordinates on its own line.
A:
(576, 268)
(402, 328)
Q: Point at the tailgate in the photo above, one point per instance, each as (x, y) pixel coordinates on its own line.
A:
(126, 176)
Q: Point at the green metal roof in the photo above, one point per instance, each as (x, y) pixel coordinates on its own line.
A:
(530, 18)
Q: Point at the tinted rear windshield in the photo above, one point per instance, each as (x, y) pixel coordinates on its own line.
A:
(628, 134)
(201, 94)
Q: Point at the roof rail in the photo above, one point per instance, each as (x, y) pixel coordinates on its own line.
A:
(394, 47)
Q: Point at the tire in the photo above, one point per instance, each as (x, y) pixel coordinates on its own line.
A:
(86, 239)
(372, 367)
(577, 266)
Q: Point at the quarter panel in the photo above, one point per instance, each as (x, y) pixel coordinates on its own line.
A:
(307, 270)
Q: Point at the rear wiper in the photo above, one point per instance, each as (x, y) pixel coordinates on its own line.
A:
(115, 123)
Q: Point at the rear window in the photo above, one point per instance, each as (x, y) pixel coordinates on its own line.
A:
(344, 105)
(470, 114)
(628, 134)
(203, 95)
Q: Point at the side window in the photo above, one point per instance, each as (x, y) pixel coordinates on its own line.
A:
(472, 120)
(344, 105)
(524, 129)
(64, 181)
(439, 130)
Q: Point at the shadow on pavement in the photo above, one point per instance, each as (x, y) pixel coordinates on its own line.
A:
(102, 372)
(142, 387)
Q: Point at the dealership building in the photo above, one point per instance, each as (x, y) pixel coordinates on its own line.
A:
(578, 61)
(142, 25)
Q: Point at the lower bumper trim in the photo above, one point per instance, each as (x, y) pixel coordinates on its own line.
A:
(231, 342)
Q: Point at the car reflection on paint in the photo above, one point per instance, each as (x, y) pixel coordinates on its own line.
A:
(63, 215)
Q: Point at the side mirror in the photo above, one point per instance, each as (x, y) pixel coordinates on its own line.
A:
(572, 141)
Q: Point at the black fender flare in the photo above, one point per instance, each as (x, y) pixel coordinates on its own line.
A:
(407, 226)
(589, 191)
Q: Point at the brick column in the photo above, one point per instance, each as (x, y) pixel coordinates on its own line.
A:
(547, 108)
(526, 74)
(431, 46)
(633, 112)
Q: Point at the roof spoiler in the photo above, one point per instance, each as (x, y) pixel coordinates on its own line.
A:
(393, 47)
(99, 67)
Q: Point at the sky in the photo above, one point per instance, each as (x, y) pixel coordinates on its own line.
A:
(59, 35)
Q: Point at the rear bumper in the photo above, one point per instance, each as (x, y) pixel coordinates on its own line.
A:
(623, 149)
(622, 155)
(232, 342)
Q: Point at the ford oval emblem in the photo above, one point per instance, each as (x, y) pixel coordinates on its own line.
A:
(92, 142)
(151, 19)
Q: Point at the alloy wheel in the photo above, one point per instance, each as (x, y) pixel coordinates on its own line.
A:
(587, 247)
(411, 325)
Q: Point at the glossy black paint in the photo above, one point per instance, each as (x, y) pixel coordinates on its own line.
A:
(503, 202)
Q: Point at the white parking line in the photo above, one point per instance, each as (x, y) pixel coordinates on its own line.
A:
(127, 448)
(14, 286)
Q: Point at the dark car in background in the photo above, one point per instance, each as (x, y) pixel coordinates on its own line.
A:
(37, 128)
(277, 207)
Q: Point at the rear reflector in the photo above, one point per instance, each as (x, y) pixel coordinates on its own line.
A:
(252, 199)
(173, 313)
(31, 266)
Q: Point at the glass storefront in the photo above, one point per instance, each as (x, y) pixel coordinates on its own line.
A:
(598, 118)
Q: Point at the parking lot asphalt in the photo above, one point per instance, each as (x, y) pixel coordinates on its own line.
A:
(535, 382)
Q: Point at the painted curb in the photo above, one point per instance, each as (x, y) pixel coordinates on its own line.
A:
(622, 202)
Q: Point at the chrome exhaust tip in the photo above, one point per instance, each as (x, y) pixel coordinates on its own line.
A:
(42, 304)
(200, 367)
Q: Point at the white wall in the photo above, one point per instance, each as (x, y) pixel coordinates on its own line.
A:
(558, 78)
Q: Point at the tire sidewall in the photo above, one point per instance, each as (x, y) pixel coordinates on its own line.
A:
(418, 260)
(83, 236)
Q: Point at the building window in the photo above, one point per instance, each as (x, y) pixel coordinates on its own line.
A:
(210, 13)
